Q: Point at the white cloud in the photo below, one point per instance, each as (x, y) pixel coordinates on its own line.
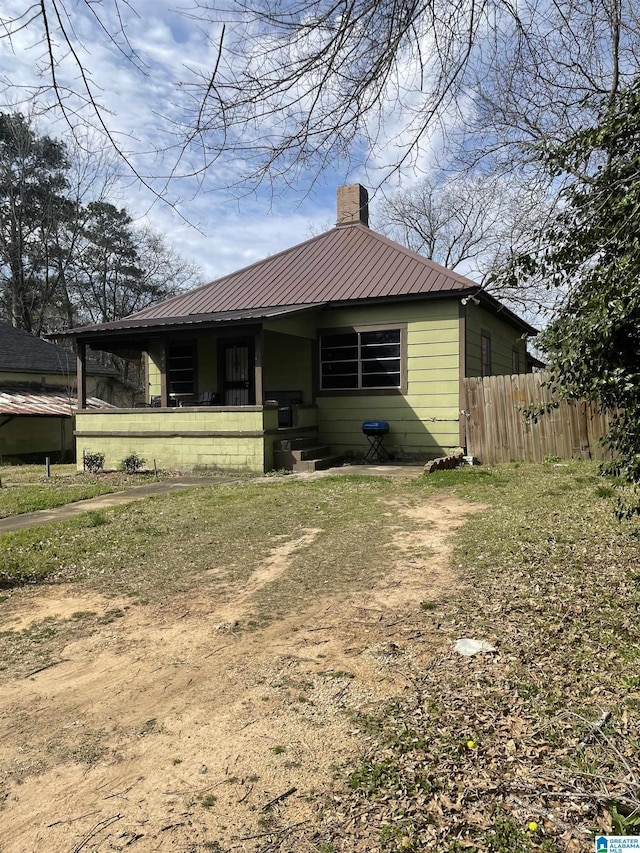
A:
(237, 234)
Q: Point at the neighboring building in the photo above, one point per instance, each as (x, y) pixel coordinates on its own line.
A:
(307, 344)
(38, 397)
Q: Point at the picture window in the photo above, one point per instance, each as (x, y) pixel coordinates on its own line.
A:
(361, 360)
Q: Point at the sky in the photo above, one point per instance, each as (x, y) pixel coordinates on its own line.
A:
(201, 218)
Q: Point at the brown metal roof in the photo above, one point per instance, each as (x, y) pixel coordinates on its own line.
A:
(47, 403)
(343, 264)
(136, 321)
(347, 264)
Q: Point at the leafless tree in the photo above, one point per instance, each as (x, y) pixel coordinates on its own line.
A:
(454, 222)
(472, 223)
(292, 86)
(119, 269)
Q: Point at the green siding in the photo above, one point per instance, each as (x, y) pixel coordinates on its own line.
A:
(504, 338)
(154, 360)
(424, 422)
(207, 348)
(58, 379)
(307, 417)
(55, 380)
(24, 436)
(302, 325)
(441, 314)
(288, 364)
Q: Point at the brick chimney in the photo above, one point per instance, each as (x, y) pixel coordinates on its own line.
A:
(353, 205)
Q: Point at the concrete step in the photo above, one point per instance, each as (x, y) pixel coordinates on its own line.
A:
(299, 442)
(327, 462)
(308, 466)
(315, 452)
(302, 453)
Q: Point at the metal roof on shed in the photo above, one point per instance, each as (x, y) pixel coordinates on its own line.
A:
(47, 403)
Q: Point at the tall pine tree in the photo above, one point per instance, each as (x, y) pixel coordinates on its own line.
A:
(34, 213)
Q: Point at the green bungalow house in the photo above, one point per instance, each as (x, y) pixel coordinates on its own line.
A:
(297, 351)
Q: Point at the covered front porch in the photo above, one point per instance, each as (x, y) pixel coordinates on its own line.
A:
(215, 394)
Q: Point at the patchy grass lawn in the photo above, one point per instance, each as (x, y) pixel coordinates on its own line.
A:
(14, 474)
(532, 748)
(211, 533)
(212, 537)
(536, 747)
(26, 488)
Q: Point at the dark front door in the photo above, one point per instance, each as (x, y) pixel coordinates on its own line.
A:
(238, 373)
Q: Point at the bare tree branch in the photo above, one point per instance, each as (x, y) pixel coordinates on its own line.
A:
(473, 223)
(294, 87)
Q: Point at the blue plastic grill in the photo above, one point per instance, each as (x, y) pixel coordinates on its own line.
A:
(375, 427)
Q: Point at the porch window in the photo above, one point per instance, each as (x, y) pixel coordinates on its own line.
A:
(361, 360)
(181, 369)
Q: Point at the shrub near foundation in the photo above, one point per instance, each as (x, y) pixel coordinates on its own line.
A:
(132, 464)
(93, 462)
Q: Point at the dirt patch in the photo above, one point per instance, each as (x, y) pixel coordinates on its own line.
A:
(273, 567)
(426, 553)
(172, 729)
(25, 608)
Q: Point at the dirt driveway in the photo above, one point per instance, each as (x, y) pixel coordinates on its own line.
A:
(170, 729)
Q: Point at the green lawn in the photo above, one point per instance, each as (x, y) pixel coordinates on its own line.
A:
(534, 748)
(26, 488)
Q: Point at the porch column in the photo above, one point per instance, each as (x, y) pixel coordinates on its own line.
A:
(145, 378)
(164, 387)
(82, 375)
(259, 359)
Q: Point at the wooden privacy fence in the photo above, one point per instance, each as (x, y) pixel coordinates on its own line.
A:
(496, 429)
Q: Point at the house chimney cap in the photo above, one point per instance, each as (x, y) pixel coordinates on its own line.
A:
(352, 205)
